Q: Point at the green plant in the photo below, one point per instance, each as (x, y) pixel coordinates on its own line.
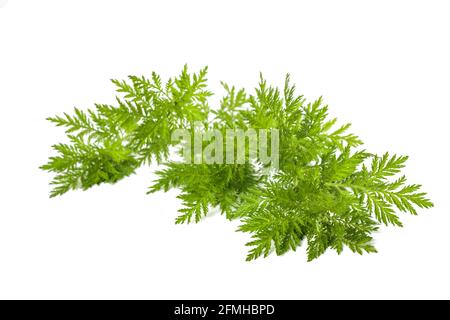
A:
(327, 190)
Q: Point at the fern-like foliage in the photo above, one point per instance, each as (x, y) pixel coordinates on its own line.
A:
(328, 192)
(109, 142)
(204, 186)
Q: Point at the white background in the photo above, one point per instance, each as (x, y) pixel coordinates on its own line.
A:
(382, 65)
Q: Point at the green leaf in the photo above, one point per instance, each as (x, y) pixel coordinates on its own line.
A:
(327, 192)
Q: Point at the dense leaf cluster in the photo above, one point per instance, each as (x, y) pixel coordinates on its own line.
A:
(328, 192)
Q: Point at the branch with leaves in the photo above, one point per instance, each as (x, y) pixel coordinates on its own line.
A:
(328, 192)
